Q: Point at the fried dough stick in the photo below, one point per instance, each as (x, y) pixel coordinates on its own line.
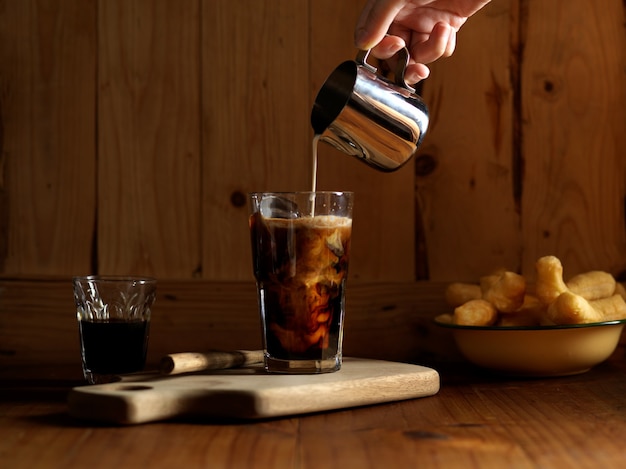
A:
(549, 284)
(475, 313)
(593, 285)
(505, 291)
(458, 293)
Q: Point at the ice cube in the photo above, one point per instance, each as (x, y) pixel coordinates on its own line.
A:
(274, 206)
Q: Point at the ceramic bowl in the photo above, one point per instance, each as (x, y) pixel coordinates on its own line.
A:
(536, 350)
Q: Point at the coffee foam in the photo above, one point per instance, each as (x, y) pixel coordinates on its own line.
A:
(317, 221)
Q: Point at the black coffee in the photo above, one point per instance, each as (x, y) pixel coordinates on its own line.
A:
(114, 347)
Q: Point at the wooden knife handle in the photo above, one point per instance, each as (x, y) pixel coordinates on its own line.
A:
(188, 362)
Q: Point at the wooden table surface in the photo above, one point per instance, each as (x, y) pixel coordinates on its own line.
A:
(476, 420)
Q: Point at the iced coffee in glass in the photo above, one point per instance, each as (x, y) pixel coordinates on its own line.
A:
(300, 250)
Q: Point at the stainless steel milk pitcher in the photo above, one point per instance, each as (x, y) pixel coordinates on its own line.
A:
(368, 116)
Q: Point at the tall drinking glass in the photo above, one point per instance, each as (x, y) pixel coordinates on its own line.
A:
(301, 249)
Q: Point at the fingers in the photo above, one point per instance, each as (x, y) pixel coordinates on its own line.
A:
(416, 72)
(451, 43)
(375, 20)
(440, 43)
(388, 47)
(413, 73)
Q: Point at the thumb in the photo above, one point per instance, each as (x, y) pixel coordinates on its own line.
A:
(375, 20)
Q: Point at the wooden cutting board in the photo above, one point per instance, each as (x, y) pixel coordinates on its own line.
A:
(250, 393)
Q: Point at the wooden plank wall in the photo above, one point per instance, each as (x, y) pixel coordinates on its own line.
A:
(134, 129)
(131, 131)
(466, 188)
(573, 119)
(528, 141)
(48, 121)
(144, 124)
(149, 138)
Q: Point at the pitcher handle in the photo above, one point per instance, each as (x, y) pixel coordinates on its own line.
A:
(403, 61)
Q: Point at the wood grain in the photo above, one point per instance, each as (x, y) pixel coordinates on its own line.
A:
(197, 103)
(466, 193)
(391, 321)
(251, 393)
(131, 131)
(255, 129)
(574, 110)
(47, 133)
(475, 421)
(148, 138)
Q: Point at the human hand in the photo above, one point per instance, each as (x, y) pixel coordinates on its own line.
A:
(427, 28)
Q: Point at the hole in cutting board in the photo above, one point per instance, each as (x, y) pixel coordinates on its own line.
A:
(133, 387)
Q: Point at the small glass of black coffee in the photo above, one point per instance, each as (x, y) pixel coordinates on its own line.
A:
(113, 321)
(300, 250)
